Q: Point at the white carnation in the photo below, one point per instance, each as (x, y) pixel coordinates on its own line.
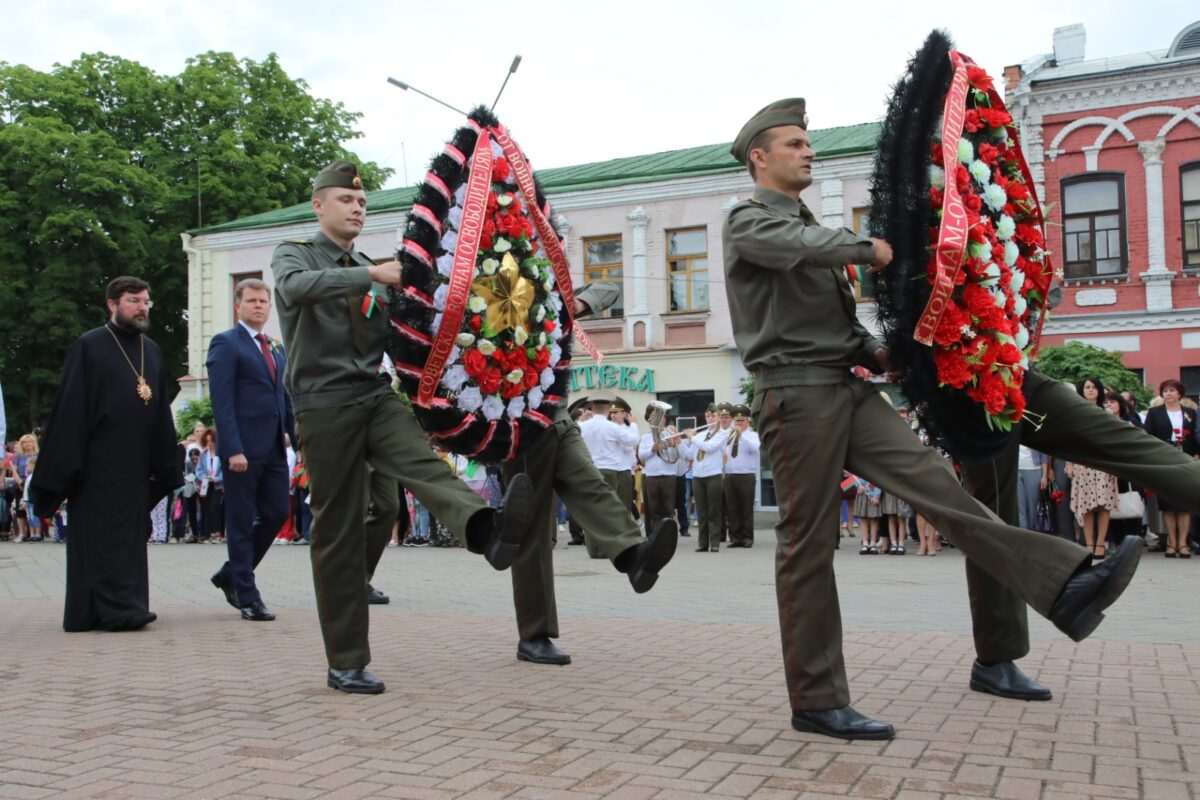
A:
(937, 176)
(1011, 253)
(464, 339)
(477, 304)
(502, 245)
(546, 379)
(539, 314)
(520, 335)
(445, 263)
(998, 297)
(1019, 306)
(557, 333)
(1005, 228)
(439, 296)
(489, 266)
(486, 347)
(981, 172)
(516, 407)
(454, 378)
(515, 376)
(493, 407)
(449, 241)
(555, 354)
(497, 150)
(556, 301)
(437, 321)
(454, 217)
(536, 395)
(455, 352)
(460, 194)
(1017, 280)
(979, 250)
(995, 197)
(966, 153)
(470, 399)
(991, 276)
(504, 200)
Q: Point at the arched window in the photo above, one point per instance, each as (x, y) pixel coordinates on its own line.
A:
(1093, 209)
(1189, 201)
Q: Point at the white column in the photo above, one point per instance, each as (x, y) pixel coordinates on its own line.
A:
(833, 210)
(639, 219)
(638, 310)
(1156, 277)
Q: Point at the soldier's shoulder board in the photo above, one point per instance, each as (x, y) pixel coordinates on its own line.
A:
(758, 203)
(298, 241)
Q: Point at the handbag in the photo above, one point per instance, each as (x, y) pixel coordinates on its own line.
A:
(1130, 506)
(1044, 518)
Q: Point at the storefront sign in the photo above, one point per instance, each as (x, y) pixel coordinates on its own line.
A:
(612, 376)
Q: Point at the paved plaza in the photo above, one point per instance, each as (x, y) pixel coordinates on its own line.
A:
(675, 694)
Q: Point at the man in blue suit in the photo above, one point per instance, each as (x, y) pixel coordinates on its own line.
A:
(255, 423)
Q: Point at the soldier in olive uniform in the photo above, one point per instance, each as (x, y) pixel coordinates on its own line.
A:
(334, 325)
(795, 325)
(558, 462)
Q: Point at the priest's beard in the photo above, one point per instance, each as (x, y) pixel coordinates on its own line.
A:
(138, 323)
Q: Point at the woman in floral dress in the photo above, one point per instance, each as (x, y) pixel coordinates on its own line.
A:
(1093, 493)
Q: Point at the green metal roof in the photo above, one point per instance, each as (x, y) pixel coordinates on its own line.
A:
(709, 159)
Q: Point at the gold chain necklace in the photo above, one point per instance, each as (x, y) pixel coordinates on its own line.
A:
(143, 388)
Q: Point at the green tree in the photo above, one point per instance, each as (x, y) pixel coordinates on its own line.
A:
(103, 163)
(194, 411)
(1075, 361)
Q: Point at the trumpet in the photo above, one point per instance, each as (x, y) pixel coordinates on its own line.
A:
(689, 430)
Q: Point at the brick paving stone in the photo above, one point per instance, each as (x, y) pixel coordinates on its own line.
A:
(667, 697)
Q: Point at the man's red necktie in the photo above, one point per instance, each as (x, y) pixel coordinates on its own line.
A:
(266, 351)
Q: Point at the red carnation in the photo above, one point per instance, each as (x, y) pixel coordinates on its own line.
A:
(529, 379)
(979, 79)
(1017, 190)
(962, 178)
(492, 203)
(949, 329)
(989, 391)
(475, 324)
(971, 122)
(542, 359)
(500, 169)
(547, 325)
(489, 381)
(994, 117)
(474, 363)
(972, 202)
(509, 390)
(935, 197)
(989, 154)
(952, 370)
(935, 152)
(1009, 355)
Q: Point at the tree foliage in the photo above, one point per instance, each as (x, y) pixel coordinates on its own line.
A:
(1075, 361)
(104, 163)
(194, 411)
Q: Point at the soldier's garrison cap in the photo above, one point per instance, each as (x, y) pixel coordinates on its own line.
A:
(741, 411)
(789, 111)
(340, 175)
(620, 404)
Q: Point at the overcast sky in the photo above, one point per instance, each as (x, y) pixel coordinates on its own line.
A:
(597, 80)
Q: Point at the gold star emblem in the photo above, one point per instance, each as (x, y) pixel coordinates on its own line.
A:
(357, 182)
(507, 294)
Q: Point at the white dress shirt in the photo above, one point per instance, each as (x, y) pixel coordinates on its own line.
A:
(655, 466)
(612, 446)
(712, 463)
(746, 462)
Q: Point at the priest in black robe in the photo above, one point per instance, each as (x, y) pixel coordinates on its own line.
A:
(109, 451)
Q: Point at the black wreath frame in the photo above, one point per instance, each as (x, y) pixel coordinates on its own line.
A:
(900, 214)
(446, 416)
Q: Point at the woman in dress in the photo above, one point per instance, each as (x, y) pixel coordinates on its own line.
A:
(1093, 493)
(866, 508)
(1176, 424)
(213, 487)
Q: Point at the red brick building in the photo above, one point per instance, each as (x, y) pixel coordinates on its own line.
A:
(1114, 146)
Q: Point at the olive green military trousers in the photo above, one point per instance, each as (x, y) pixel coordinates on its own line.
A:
(621, 482)
(710, 497)
(811, 433)
(658, 500)
(1062, 424)
(739, 508)
(339, 443)
(383, 507)
(558, 464)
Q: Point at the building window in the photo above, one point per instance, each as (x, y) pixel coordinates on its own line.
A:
(603, 261)
(864, 290)
(1189, 195)
(687, 264)
(1190, 378)
(1094, 226)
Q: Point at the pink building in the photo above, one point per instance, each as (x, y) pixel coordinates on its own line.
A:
(1114, 145)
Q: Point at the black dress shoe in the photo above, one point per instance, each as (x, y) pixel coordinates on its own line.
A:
(1005, 679)
(257, 612)
(218, 581)
(376, 597)
(841, 723)
(643, 562)
(541, 651)
(510, 523)
(354, 681)
(1078, 609)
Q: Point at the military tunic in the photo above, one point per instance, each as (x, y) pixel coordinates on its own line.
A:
(794, 322)
(347, 417)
